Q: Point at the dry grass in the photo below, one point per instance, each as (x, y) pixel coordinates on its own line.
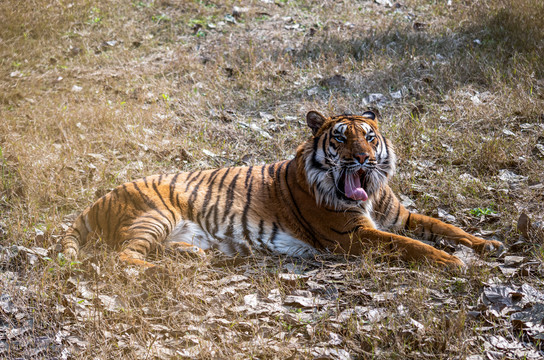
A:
(94, 94)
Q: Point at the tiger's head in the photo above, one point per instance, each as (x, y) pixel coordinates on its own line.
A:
(347, 159)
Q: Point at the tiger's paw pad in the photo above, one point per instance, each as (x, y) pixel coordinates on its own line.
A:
(194, 251)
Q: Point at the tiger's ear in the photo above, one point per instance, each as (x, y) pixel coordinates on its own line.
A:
(315, 120)
(369, 115)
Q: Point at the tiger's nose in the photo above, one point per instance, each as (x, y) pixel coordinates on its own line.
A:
(361, 157)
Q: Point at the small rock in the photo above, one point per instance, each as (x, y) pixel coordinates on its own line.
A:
(208, 153)
(266, 116)
(443, 214)
(313, 91)
(508, 132)
(76, 88)
(511, 177)
(386, 3)
(539, 150)
(406, 201)
(230, 19)
(396, 94)
(476, 100)
(513, 260)
(237, 11)
(377, 99)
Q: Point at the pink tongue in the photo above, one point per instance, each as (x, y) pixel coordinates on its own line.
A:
(353, 187)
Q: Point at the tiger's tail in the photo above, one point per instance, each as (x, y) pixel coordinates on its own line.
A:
(75, 236)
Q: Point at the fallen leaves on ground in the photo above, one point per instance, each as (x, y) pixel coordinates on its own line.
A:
(307, 308)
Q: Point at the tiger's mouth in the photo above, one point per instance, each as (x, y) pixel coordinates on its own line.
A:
(350, 185)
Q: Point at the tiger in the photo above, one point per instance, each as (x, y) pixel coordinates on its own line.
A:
(332, 197)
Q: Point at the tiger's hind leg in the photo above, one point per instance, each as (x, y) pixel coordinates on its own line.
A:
(137, 240)
(134, 253)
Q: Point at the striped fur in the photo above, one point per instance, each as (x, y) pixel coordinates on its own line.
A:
(298, 207)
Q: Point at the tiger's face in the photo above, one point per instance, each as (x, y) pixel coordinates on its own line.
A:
(347, 159)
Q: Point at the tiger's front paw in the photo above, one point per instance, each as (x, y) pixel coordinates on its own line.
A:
(485, 246)
(451, 262)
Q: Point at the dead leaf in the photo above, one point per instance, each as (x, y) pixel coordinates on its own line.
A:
(510, 177)
(266, 116)
(304, 302)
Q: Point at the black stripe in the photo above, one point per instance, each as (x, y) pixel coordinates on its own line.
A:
(261, 231)
(207, 223)
(230, 196)
(121, 195)
(163, 202)
(407, 225)
(248, 175)
(193, 178)
(149, 230)
(207, 197)
(302, 221)
(160, 226)
(192, 198)
(230, 227)
(324, 145)
(351, 231)
(273, 234)
(397, 216)
(215, 220)
(380, 202)
(271, 170)
(151, 204)
(262, 175)
(141, 238)
(245, 231)
(172, 190)
(316, 163)
(223, 179)
(212, 175)
(147, 242)
(388, 207)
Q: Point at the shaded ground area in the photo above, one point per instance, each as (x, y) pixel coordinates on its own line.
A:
(94, 94)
